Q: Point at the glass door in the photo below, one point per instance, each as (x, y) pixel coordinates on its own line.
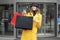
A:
(6, 13)
(58, 21)
(48, 23)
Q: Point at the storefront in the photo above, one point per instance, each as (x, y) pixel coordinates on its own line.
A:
(49, 10)
(5, 27)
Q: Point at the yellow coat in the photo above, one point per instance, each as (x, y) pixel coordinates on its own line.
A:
(32, 34)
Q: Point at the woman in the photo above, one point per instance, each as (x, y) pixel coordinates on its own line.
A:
(37, 20)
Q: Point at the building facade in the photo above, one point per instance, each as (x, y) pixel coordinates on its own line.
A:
(50, 10)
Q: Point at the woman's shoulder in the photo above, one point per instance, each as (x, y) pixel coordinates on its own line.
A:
(29, 14)
(39, 14)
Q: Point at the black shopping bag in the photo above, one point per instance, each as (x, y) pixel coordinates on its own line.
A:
(24, 22)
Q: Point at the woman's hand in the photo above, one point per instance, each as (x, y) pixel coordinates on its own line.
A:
(35, 20)
(24, 13)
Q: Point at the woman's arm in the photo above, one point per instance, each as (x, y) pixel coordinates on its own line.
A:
(39, 22)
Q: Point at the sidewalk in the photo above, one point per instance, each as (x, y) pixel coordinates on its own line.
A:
(6, 38)
(39, 38)
(49, 38)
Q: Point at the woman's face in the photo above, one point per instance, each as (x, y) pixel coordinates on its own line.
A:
(34, 8)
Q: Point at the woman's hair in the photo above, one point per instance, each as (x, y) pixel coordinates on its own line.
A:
(37, 10)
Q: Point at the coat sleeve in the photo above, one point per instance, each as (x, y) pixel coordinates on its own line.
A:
(39, 24)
